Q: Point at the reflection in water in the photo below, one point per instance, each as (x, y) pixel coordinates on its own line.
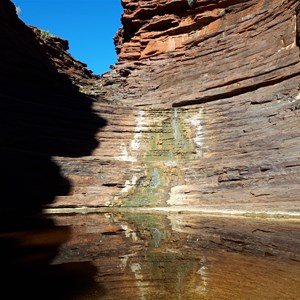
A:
(146, 256)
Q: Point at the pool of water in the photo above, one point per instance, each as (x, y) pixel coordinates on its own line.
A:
(156, 256)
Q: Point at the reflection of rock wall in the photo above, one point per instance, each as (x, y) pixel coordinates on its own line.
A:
(150, 256)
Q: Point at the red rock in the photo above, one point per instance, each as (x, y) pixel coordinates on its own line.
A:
(231, 68)
(201, 115)
(203, 98)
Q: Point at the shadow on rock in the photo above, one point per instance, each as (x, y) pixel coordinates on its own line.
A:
(42, 115)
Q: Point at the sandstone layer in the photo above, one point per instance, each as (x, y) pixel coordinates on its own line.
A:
(201, 109)
(56, 49)
(207, 101)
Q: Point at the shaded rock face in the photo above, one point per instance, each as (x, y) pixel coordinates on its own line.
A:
(212, 95)
(42, 115)
(57, 51)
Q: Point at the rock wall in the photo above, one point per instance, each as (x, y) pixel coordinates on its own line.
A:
(201, 109)
(209, 124)
(56, 49)
(42, 115)
(215, 86)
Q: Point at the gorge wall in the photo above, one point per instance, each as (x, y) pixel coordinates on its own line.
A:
(207, 98)
(42, 115)
(201, 109)
(199, 114)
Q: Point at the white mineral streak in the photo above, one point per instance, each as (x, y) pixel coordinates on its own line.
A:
(124, 260)
(129, 233)
(124, 156)
(129, 184)
(175, 121)
(140, 122)
(135, 144)
(196, 122)
(176, 196)
(202, 288)
(137, 270)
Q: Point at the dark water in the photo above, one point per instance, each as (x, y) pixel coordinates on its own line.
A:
(148, 256)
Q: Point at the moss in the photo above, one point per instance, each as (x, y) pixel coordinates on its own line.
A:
(170, 141)
(148, 192)
(45, 35)
(153, 226)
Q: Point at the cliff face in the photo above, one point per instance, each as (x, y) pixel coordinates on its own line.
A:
(201, 108)
(214, 91)
(207, 51)
(200, 113)
(56, 50)
(42, 116)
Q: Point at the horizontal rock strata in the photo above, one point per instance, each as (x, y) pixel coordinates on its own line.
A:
(201, 108)
(214, 91)
(57, 51)
(201, 111)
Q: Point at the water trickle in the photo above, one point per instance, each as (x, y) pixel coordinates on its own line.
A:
(155, 178)
(163, 140)
(196, 122)
(176, 132)
(140, 122)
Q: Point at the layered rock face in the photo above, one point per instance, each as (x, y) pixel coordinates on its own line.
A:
(201, 112)
(201, 108)
(212, 98)
(56, 49)
(220, 50)
(42, 115)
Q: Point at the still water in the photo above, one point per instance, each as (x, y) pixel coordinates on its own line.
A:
(122, 256)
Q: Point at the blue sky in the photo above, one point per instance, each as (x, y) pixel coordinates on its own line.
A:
(88, 25)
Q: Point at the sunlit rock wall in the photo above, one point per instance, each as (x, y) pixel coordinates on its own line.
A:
(202, 109)
(217, 97)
